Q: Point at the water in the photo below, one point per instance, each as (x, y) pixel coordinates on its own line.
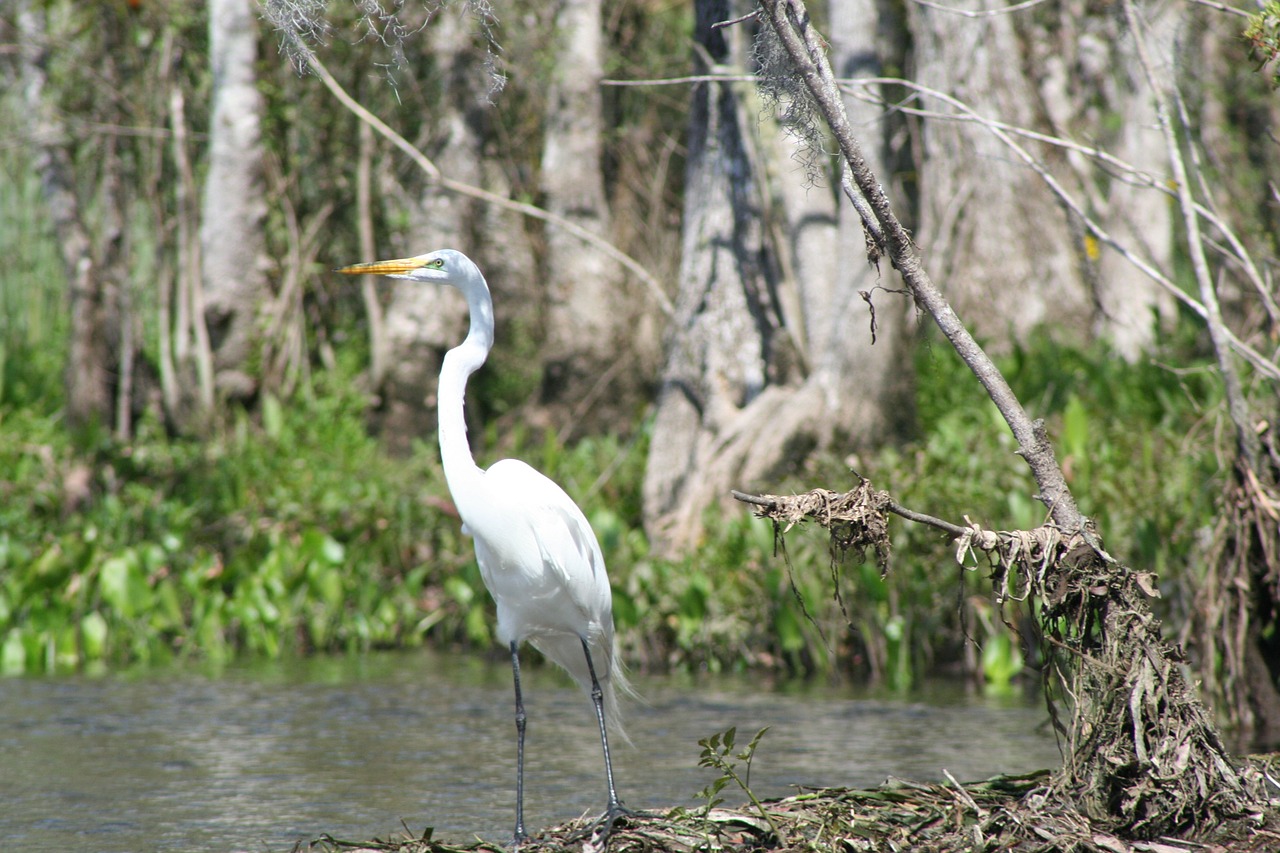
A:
(258, 758)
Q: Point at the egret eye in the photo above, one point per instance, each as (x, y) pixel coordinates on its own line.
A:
(438, 263)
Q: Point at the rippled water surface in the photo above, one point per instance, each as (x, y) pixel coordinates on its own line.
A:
(259, 758)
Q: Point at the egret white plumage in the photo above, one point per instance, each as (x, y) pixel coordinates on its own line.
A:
(538, 556)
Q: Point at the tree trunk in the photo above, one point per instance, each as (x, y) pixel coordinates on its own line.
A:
(590, 380)
(998, 241)
(1088, 75)
(92, 294)
(727, 355)
(233, 251)
(422, 322)
(866, 377)
(186, 360)
(772, 352)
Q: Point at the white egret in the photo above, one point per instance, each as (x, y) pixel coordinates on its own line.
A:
(538, 555)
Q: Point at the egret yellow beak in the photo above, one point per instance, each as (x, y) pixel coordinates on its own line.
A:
(400, 266)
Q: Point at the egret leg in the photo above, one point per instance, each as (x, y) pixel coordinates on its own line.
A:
(521, 835)
(597, 696)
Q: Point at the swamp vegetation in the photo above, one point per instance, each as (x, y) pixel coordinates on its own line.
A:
(137, 526)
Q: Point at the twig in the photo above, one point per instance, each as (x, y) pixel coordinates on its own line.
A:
(683, 81)
(433, 172)
(921, 518)
(791, 21)
(1238, 407)
(755, 500)
(741, 19)
(983, 13)
(1222, 7)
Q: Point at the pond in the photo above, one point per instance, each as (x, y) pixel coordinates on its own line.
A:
(259, 757)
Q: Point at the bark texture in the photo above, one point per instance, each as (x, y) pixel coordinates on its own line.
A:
(719, 392)
(233, 253)
(861, 345)
(997, 240)
(773, 352)
(1009, 255)
(421, 323)
(591, 356)
(93, 292)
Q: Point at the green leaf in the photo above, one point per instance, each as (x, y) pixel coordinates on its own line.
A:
(272, 416)
(116, 583)
(13, 654)
(93, 636)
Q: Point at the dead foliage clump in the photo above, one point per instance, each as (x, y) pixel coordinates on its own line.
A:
(856, 520)
(1006, 813)
(1231, 625)
(1142, 757)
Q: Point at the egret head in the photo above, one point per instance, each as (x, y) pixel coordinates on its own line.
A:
(444, 266)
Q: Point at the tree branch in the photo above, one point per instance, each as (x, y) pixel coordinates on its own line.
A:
(770, 502)
(424, 163)
(804, 45)
(1005, 133)
(1246, 439)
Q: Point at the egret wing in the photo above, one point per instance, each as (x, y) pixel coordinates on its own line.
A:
(566, 543)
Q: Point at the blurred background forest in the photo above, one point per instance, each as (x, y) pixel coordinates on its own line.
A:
(212, 446)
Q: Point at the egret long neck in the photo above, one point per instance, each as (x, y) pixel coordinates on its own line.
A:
(459, 363)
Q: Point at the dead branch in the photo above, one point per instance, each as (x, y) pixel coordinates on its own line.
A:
(770, 504)
(1006, 133)
(1143, 756)
(807, 50)
(1238, 407)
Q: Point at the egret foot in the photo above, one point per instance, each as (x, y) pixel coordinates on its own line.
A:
(603, 827)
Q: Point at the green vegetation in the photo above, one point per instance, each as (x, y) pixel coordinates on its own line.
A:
(1263, 37)
(717, 753)
(294, 532)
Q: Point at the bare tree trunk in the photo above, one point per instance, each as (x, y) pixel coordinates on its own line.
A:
(92, 297)
(996, 235)
(727, 352)
(186, 356)
(233, 251)
(590, 379)
(1088, 74)
(866, 376)
(423, 322)
(1014, 260)
(772, 351)
(369, 287)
